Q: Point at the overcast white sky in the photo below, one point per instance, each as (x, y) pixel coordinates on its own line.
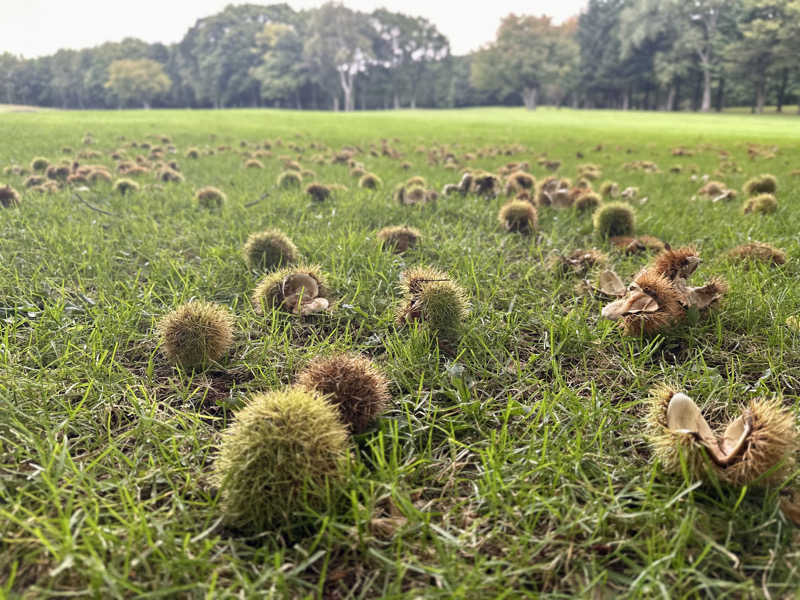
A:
(38, 27)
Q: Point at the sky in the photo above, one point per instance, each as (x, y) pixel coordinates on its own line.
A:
(38, 27)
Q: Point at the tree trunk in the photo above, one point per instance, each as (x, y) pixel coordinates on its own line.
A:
(396, 101)
(671, 98)
(336, 103)
(529, 98)
(760, 95)
(626, 100)
(720, 94)
(706, 104)
(414, 99)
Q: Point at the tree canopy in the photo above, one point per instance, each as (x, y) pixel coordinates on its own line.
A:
(644, 54)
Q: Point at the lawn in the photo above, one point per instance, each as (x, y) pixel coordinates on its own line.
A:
(511, 462)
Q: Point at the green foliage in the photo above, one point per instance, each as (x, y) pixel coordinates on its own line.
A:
(529, 53)
(137, 81)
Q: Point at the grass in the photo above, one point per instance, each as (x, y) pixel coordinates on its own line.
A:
(509, 464)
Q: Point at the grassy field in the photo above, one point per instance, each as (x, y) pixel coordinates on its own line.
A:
(511, 463)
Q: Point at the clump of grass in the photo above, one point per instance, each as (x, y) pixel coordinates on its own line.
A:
(758, 251)
(210, 197)
(253, 163)
(125, 186)
(301, 290)
(370, 181)
(284, 453)
(193, 153)
(196, 333)
(269, 249)
(351, 383)
(39, 164)
(318, 191)
(518, 216)
(763, 184)
(399, 238)
(613, 219)
(289, 179)
(8, 196)
(763, 204)
(431, 297)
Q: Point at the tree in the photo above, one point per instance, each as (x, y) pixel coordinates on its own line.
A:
(216, 55)
(406, 48)
(703, 36)
(283, 71)
(339, 46)
(653, 26)
(525, 56)
(137, 80)
(767, 46)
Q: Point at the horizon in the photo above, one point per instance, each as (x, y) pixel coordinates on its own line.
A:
(27, 34)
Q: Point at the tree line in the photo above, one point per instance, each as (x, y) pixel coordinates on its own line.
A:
(644, 54)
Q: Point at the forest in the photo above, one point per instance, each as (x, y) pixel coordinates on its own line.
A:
(700, 55)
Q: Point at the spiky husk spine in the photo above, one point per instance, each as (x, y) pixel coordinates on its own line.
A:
(318, 191)
(759, 251)
(268, 293)
(196, 333)
(210, 197)
(669, 310)
(763, 204)
(284, 452)
(771, 447)
(763, 184)
(519, 181)
(370, 181)
(289, 179)
(614, 219)
(434, 299)
(399, 238)
(125, 186)
(353, 384)
(269, 249)
(670, 263)
(8, 196)
(672, 448)
(518, 216)
(587, 201)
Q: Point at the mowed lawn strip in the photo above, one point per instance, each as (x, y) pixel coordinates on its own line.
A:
(510, 462)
